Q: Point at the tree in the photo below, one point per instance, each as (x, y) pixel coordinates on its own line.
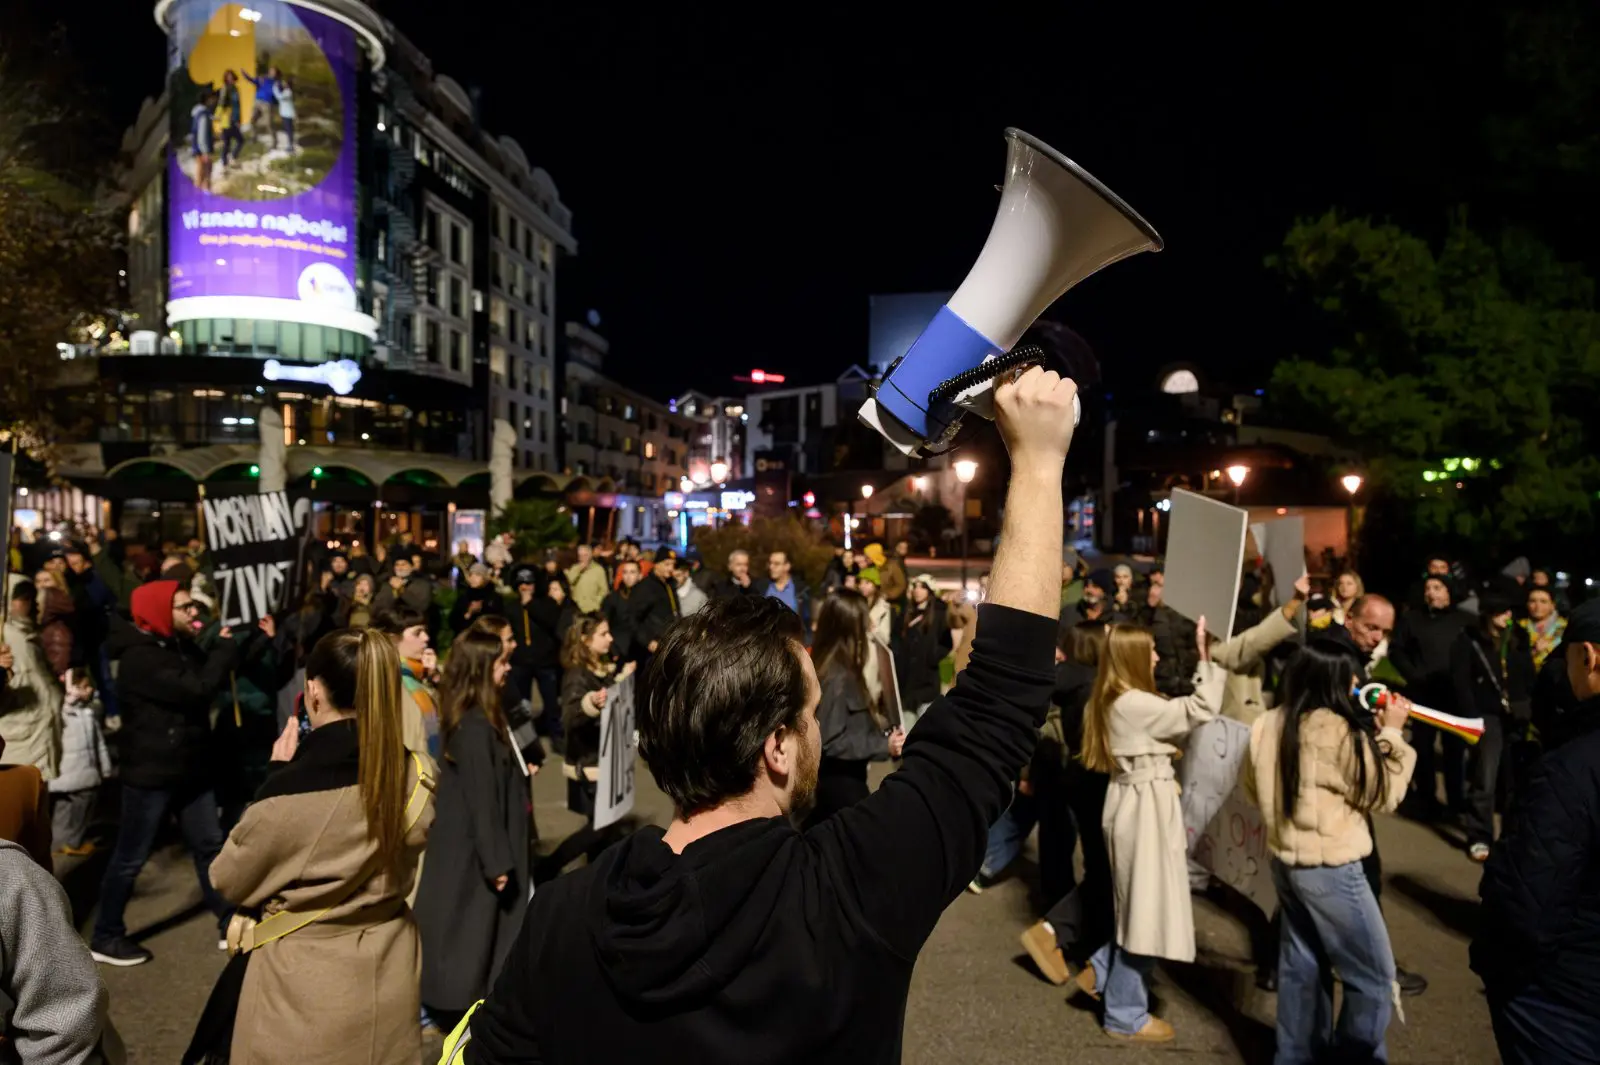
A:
(535, 524)
(60, 248)
(1465, 376)
(808, 552)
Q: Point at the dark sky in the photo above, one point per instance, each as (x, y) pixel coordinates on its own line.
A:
(742, 181)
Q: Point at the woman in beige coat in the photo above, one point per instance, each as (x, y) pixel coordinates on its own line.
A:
(1132, 732)
(326, 855)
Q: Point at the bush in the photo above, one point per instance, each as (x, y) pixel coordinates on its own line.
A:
(536, 524)
(804, 545)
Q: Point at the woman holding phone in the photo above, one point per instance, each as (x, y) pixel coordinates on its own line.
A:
(475, 882)
(324, 859)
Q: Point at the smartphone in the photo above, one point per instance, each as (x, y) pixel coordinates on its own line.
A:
(301, 718)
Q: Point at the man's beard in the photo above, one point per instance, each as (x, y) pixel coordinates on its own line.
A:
(807, 766)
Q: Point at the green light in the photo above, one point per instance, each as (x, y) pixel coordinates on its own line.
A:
(1430, 476)
(1469, 464)
(1494, 464)
(1452, 465)
(255, 471)
(316, 471)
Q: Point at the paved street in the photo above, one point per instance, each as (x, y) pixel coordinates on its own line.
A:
(974, 1000)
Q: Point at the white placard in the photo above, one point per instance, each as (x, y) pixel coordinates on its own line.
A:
(1283, 545)
(1205, 560)
(618, 746)
(1226, 835)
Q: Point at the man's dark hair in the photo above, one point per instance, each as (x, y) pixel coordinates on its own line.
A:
(723, 680)
(395, 620)
(26, 592)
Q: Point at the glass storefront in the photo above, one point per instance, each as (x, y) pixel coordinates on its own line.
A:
(283, 340)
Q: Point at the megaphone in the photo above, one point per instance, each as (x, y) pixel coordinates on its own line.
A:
(1375, 696)
(1056, 226)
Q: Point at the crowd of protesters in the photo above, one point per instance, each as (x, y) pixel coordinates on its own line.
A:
(335, 736)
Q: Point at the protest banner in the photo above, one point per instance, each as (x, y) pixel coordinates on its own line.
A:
(615, 787)
(1205, 560)
(1226, 836)
(1283, 545)
(254, 539)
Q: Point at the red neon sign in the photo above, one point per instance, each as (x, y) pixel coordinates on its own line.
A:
(763, 377)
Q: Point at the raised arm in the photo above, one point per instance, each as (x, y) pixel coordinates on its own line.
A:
(909, 849)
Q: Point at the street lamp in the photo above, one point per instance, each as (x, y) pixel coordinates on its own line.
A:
(1237, 474)
(1352, 484)
(919, 483)
(719, 471)
(966, 470)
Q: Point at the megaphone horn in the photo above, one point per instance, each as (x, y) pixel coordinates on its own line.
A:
(1056, 225)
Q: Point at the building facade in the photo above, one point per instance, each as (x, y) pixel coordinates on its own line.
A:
(319, 227)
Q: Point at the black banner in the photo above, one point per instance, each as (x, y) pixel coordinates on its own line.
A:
(254, 539)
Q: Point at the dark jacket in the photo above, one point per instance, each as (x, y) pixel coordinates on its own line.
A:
(165, 686)
(758, 943)
(1420, 649)
(1557, 714)
(416, 593)
(1074, 685)
(658, 609)
(491, 602)
(849, 732)
(1540, 925)
(1492, 678)
(723, 587)
(480, 831)
(919, 647)
(624, 611)
(579, 723)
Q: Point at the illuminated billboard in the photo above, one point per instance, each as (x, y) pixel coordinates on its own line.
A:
(262, 171)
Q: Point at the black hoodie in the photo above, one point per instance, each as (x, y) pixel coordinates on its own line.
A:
(758, 943)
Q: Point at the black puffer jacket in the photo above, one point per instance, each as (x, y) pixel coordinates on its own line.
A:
(1492, 680)
(1540, 925)
(165, 686)
(1421, 648)
(921, 646)
(1179, 658)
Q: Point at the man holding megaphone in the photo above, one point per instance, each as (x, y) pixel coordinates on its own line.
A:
(730, 936)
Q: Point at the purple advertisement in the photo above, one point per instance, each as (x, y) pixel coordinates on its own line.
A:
(262, 171)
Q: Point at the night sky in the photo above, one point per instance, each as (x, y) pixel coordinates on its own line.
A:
(741, 183)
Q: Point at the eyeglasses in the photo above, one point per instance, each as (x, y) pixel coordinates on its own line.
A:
(188, 608)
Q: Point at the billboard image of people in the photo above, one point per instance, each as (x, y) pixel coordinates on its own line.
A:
(262, 171)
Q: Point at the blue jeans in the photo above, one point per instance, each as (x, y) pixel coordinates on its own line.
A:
(1123, 981)
(143, 811)
(1331, 921)
(1535, 1030)
(1007, 835)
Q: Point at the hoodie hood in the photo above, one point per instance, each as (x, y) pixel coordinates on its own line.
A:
(152, 607)
(679, 927)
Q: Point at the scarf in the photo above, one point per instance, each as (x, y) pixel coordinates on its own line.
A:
(1544, 636)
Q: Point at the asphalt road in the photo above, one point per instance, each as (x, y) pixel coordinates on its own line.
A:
(974, 998)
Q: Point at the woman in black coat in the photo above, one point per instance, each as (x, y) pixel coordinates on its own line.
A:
(589, 672)
(1491, 666)
(854, 731)
(920, 645)
(474, 887)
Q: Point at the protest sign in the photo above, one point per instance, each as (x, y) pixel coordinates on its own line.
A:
(615, 792)
(1226, 836)
(1283, 545)
(1205, 559)
(254, 541)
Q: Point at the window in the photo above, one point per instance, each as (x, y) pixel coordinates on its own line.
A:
(627, 412)
(672, 457)
(511, 412)
(455, 350)
(527, 460)
(527, 423)
(511, 325)
(497, 315)
(546, 253)
(430, 229)
(457, 297)
(627, 445)
(494, 269)
(649, 449)
(455, 243)
(527, 243)
(544, 383)
(544, 427)
(650, 422)
(541, 460)
(431, 332)
(430, 284)
(494, 217)
(531, 339)
(527, 378)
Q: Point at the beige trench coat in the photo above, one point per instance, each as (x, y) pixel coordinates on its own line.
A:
(1244, 657)
(345, 990)
(1143, 820)
(30, 703)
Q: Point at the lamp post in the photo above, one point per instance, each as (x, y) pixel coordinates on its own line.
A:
(719, 471)
(1352, 485)
(1237, 474)
(966, 470)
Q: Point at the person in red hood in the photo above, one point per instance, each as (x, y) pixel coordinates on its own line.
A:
(165, 685)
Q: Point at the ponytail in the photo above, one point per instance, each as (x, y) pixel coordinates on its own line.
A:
(383, 762)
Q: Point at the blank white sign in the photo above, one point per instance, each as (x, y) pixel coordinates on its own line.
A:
(1205, 558)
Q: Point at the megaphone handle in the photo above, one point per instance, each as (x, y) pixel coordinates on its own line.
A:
(986, 371)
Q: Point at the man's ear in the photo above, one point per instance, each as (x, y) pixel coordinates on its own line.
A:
(773, 756)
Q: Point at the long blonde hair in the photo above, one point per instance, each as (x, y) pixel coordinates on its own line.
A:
(361, 670)
(1124, 667)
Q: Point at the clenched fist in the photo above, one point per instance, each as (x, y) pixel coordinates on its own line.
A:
(1035, 415)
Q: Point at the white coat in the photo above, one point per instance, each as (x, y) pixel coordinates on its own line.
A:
(1143, 820)
(30, 704)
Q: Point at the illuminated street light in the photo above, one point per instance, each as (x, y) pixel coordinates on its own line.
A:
(866, 491)
(919, 483)
(1237, 474)
(966, 470)
(719, 471)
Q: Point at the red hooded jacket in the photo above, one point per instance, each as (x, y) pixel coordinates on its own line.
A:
(152, 607)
